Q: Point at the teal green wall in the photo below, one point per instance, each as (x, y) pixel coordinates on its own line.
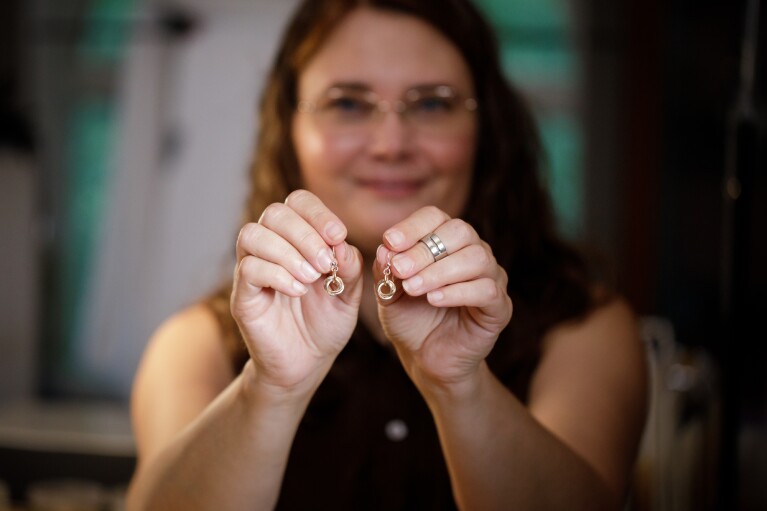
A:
(90, 121)
(538, 54)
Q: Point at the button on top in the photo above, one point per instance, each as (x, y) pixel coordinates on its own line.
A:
(396, 430)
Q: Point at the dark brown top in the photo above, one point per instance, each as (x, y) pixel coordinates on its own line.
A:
(368, 440)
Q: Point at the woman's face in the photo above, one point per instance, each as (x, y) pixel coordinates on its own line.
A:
(374, 168)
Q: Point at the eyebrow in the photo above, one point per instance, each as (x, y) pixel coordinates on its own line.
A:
(363, 87)
(355, 86)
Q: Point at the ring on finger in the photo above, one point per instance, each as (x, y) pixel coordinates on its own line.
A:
(435, 246)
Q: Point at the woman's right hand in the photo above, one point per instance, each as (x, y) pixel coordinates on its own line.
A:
(293, 329)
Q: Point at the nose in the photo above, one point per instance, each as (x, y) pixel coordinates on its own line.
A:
(391, 136)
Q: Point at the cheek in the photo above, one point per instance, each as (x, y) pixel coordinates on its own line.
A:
(453, 156)
(319, 157)
(453, 160)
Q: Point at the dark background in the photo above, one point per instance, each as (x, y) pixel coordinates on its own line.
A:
(687, 253)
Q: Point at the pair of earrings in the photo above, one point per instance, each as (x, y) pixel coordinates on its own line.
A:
(385, 289)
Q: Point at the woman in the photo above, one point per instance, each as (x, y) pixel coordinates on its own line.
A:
(393, 159)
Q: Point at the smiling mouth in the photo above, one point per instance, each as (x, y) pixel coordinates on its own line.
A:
(391, 188)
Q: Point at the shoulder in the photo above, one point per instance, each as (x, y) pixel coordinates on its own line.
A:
(604, 345)
(183, 368)
(590, 388)
(190, 339)
(611, 325)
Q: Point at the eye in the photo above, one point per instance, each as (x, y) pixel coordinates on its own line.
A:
(432, 105)
(348, 107)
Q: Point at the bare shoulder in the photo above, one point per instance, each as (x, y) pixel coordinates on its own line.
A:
(183, 368)
(590, 388)
(607, 341)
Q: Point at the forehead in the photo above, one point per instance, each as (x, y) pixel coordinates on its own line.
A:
(388, 52)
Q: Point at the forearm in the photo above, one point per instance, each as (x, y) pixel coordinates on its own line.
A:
(232, 457)
(500, 457)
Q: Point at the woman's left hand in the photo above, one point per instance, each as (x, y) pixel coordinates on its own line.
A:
(446, 314)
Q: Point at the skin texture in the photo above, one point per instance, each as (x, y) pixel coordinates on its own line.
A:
(210, 439)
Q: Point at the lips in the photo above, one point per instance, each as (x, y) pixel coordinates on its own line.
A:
(391, 188)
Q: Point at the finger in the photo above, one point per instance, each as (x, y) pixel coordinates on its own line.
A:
(288, 224)
(469, 263)
(319, 216)
(263, 243)
(406, 233)
(252, 275)
(349, 261)
(455, 234)
(485, 294)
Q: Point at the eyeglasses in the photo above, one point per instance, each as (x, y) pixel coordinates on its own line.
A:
(347, 110)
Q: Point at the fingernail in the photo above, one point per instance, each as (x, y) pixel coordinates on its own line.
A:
(333, 230)
(342, 252)
(380, 254)
(412, 284)
(309, 271)
(325, 258)
(435, 296)
(300, 288)
(402, 264)
(395, 238)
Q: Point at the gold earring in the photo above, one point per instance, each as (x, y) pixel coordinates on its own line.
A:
(386, 287)
(333, 283)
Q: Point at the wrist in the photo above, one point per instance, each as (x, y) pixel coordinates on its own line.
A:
(465, 388)
(257, 387)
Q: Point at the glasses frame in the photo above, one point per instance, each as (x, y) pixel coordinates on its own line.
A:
(384, 106)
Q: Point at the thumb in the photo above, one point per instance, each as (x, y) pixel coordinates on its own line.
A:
(349, 260)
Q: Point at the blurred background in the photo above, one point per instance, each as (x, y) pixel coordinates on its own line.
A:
(126, 128)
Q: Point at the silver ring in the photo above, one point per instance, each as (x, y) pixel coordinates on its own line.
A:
(435, 246)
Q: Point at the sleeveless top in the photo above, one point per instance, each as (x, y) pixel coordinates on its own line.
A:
(368, 440)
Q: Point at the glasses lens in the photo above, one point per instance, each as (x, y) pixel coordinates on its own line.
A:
(434, 110)
(433, 107)
(343, 109)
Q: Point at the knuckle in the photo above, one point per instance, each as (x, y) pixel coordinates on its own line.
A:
(316, 215)
(245, 267)
(296, 197)
(307, 237)
(436, 213)
(492, 291)
(463, 230)
(272, 213)
(481, 256)
(504, 277)
(248, 234)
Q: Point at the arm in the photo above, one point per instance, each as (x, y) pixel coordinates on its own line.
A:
(206, 440)
(574, 446)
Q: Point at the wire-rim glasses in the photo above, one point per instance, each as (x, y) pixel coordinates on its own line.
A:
(351, 109)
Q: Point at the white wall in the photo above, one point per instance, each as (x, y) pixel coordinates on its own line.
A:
(173, 217)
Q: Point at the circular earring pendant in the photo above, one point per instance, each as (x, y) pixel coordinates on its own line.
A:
(386, 287)
(333, 283)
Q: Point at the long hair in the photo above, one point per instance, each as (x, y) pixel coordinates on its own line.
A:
(508, 205)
